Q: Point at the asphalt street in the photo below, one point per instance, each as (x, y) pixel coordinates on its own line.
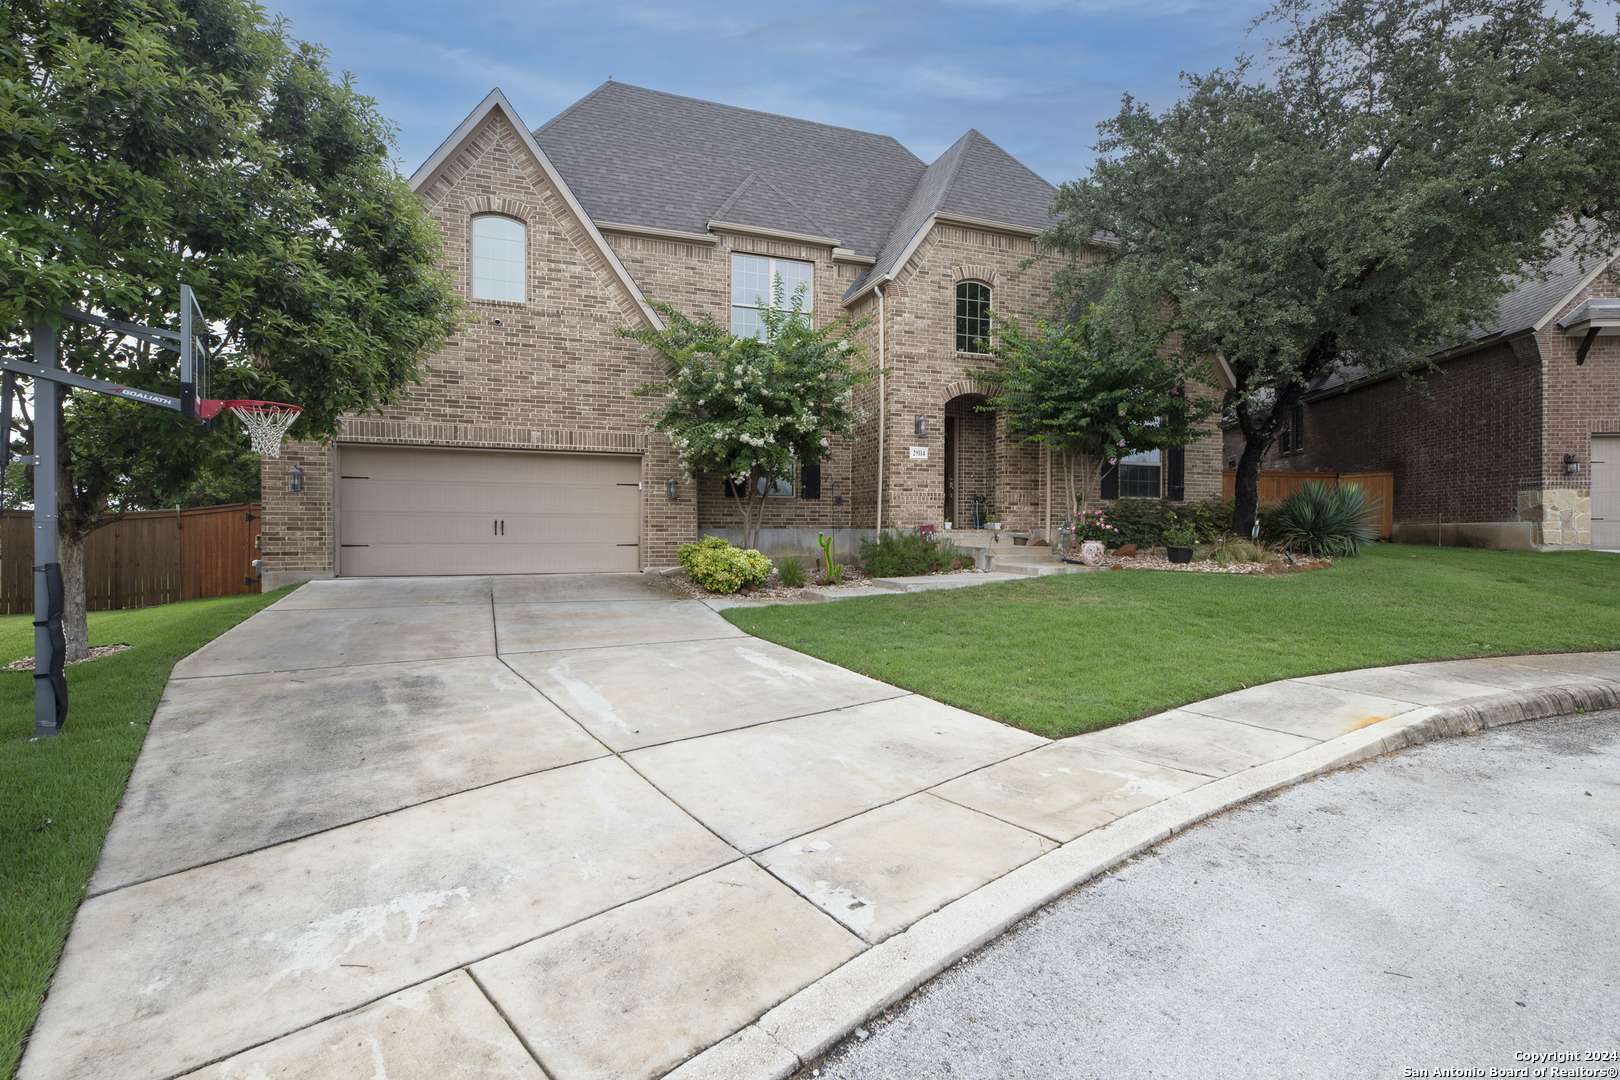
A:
(1454, 906)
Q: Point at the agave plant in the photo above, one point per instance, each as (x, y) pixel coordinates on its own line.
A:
(1325, 520)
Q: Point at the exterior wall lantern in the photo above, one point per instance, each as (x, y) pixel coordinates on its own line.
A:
(295, 479)
(920, 426)
(1572, 464)
(672, 490)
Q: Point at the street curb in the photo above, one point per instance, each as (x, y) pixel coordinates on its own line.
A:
(808, 1024)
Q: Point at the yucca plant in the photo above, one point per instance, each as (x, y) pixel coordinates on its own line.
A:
(1325, 520)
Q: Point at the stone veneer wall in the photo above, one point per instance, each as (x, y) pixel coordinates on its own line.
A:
(1578, 402)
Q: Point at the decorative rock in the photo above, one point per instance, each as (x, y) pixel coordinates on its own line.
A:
(1125, 551)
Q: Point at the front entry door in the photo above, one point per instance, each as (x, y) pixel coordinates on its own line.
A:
(1606, 492)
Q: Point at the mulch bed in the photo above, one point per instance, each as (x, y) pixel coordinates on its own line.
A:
(96, 653)
(1275, 565)
(773, 589)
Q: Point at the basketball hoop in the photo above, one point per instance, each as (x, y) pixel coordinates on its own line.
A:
(266, 422)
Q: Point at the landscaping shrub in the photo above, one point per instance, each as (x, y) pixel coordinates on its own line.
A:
(1325, 520)
(721, 567)
(1267, 515)
(1229, 549)
(895, 554)
(1142, 521)
(1136, 521)
(791, 571)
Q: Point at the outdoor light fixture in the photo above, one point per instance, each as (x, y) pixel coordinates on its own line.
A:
(295, 479)
(671, 488)
(1572, 464)
(920, 426)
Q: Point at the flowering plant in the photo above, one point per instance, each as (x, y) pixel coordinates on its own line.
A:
(1093, 525)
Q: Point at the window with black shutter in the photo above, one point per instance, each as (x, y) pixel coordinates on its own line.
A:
(1176, 465)
(1110, 482)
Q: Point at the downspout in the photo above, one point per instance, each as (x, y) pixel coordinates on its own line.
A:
(883, 409)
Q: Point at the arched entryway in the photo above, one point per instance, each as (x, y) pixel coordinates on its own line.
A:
(970, 462)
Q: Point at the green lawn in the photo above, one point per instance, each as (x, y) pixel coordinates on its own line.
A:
(57, 796)
(1065, 654)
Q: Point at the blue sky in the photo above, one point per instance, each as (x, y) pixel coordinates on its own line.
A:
(1034, 75)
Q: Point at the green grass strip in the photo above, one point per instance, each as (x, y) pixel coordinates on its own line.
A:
(1065, 654)
(57, 796)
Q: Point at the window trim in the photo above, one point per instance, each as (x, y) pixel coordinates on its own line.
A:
(472, 259)
(772, 276)
(957, 317)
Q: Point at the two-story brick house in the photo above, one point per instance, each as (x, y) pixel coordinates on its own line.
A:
(1508, 439)
(526, 448)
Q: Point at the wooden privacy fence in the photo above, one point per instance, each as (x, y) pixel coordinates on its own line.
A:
(1277, 484)
(144, 558)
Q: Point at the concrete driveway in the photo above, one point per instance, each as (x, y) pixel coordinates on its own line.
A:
(447, 827)
(427, 828)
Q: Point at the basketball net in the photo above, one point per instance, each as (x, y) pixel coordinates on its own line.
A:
(266, 423)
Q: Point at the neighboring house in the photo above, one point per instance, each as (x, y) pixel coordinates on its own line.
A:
(1511, 439)
(526, 448)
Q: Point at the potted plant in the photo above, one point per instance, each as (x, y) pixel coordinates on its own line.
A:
(1094, 532)
(992, 521)
(1179, 538)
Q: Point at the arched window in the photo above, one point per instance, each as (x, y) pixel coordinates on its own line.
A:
(972, 317)
(499, 257)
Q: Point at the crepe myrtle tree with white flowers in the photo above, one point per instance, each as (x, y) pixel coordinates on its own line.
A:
(753, 409)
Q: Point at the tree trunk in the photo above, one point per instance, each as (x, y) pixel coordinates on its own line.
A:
(751, 505)
(1246, 490)
(69, 545)
(75, 624)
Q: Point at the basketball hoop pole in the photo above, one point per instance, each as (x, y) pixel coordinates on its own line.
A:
(50, 643)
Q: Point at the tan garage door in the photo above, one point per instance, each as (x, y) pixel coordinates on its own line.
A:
(484, 512)
(1606, 492)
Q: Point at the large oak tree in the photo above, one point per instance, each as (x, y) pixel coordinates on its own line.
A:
(145, 143)
(1362, 199)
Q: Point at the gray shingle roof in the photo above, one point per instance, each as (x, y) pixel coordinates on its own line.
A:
(973, 178)
(1533, 297)
(1525, 305)
(762, 204)
(642, 157)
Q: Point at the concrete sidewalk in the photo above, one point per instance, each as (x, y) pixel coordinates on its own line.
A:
(444, 827)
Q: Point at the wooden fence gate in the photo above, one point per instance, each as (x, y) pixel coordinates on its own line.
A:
(144, 558)
(1277, 484)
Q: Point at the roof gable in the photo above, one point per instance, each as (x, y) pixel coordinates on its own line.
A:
(761, 204)
(497, 101)
(973, 179)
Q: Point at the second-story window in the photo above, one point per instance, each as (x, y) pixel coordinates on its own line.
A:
(753, 280)
(499, 257)
(972, 317)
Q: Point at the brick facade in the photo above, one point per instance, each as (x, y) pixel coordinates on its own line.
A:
(1481, 439)
(554, 373)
